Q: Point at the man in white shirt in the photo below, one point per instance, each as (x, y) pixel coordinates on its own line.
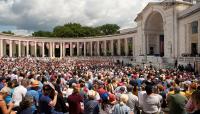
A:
(20, 92)
(132, 100)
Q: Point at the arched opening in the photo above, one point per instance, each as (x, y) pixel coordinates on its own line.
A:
(154, 34)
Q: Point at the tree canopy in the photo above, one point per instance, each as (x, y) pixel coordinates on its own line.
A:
(77, 30)
(8, 32)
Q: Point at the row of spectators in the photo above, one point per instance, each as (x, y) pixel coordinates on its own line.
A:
(94, 86)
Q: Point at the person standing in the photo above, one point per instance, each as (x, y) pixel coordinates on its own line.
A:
(74, 100)
(177, 102)
(121, 107)
(196, 101)
(3, 107)
(132, 100)
(19, 93)
(151, 101)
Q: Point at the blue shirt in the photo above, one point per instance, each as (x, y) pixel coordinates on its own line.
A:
(1, 85)
(9, 97)
(35, 96)
(121, 109)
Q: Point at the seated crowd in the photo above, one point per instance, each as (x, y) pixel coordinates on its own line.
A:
(94, 86)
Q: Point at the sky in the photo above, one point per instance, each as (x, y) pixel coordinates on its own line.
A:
(26, 16)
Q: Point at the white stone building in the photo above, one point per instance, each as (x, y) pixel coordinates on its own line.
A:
(165, 31)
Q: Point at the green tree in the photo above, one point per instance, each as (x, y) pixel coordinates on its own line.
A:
(108, 29)
(43, 34)
(8, 32)
(77, 30)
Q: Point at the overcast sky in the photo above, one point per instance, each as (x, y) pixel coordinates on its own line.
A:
(25, 16)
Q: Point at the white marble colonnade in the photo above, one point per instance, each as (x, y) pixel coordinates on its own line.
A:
(40, 48)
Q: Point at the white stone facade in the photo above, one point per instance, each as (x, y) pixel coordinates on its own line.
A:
(164, 29)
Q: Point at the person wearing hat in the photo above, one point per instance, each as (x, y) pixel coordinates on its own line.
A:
(3, 107)
(177, 102)
(33, 91)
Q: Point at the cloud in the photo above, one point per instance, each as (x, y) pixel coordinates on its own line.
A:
(33, 15)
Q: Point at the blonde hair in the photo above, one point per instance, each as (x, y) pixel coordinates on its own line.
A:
(123, 99)
(5, 90)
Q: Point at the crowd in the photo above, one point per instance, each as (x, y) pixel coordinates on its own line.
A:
(94, 86)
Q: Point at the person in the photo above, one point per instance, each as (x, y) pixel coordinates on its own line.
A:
(121, 107)
(196, 101)
(11, 84)
(132, 100)
(25, 106)
(177, 102)
(151, 101)
(2, 82)
(91, 105)
(48, 100)
(19, 93)
(74, 100)
(33, 91)
(3, 107)
(60, 104)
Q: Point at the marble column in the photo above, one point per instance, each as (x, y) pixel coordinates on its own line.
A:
(78, 47)
(19, 48)
(71, 49)
(27, 48)
(51, 49)
(35, 49)
(98, 51)
(112, 47)
(119, 47)
(10, 48)
(61, 51)
(43, 50)
(126, 46)
(105, 48)
(91, 49)
(199, 36)
(1, 44)
(85, 48)
(133, 46)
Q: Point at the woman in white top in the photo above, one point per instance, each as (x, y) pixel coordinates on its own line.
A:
(151, 101)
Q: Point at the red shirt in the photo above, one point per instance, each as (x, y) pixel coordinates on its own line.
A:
(74, 103)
